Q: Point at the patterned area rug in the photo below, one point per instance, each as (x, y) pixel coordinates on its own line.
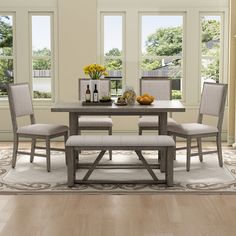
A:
(204, 178)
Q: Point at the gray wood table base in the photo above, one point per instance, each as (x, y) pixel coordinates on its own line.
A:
(72, 167)
(116, 166)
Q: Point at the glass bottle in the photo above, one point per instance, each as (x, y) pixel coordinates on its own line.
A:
(95, 94)
(88, 94)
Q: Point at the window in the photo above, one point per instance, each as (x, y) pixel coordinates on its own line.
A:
(41, 55)
(211, 46)
(162, 48)
(6, 53)
(112, 50)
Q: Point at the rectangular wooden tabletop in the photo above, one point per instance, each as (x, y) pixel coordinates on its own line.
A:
(136, 109)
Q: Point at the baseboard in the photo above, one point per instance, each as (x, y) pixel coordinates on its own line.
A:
(231, 140)
(6, 136)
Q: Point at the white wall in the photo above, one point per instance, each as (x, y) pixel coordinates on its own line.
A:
(75, 44)
(232, 75)
(161, 3)
(77, 36)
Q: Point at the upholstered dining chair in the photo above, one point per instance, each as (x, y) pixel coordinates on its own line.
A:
(160, 88)
(20, 104)
(90, 122)
(212, 104)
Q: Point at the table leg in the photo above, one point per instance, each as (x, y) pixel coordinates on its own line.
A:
(163, 131)
(163, 123)
(73, 126)
(73, 123)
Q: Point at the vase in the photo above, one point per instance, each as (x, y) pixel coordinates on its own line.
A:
(92, 84)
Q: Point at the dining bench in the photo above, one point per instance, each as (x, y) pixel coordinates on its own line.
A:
(135, 143)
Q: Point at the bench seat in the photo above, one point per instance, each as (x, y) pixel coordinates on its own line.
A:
(120, 142)
(136, 143)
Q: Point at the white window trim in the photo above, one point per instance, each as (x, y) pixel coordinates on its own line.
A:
(4, 101)
(43, 101)
(166, 13)
(101, 57)
(223, 69)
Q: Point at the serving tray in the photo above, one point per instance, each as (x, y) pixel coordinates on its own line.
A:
(84, 103)
(120, 104)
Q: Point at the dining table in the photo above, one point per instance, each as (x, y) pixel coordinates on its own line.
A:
(159, 108)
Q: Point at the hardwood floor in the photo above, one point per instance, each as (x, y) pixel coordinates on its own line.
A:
(133, 215)
(108, 215)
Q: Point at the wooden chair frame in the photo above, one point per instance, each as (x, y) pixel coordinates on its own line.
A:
(199, 137)
(33, 137)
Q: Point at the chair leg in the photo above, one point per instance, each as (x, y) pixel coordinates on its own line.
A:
(79, 133)
(188, 152)
(48, 154)
(33, 144)
(219, 149)
(76, 158)
(65, 139)
(15, 150)
(199, 144)
(110, 151)
(140, 131)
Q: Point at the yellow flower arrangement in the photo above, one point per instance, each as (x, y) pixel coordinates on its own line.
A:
(95, 71)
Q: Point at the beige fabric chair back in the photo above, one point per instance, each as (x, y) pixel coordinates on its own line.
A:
(20, 99)
(213, 99)
(104, 87)
(159, 87)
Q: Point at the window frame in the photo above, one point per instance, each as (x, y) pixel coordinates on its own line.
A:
(183, 57)
(4, 100)
(52, 57)
(223, 46)
(223, 70)
(101, 42)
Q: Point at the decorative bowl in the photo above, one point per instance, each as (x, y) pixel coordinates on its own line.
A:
(145, 102)
(145, 99)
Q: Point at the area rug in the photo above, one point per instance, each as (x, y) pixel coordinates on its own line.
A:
(204, 178)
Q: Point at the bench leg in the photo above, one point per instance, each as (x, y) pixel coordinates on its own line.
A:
(92, 168)
(169, 166)
(48, 156)
(70, 166)
(65, 138)
(110, 151)
(163, 158)
(149, 169)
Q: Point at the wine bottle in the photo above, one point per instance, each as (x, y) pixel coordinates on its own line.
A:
(88, 95)
(95, 94)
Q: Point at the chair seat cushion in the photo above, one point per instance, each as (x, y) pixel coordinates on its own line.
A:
(117, 142)
(192, 129)
(85, 121)
(42, 129)
(152, 121)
